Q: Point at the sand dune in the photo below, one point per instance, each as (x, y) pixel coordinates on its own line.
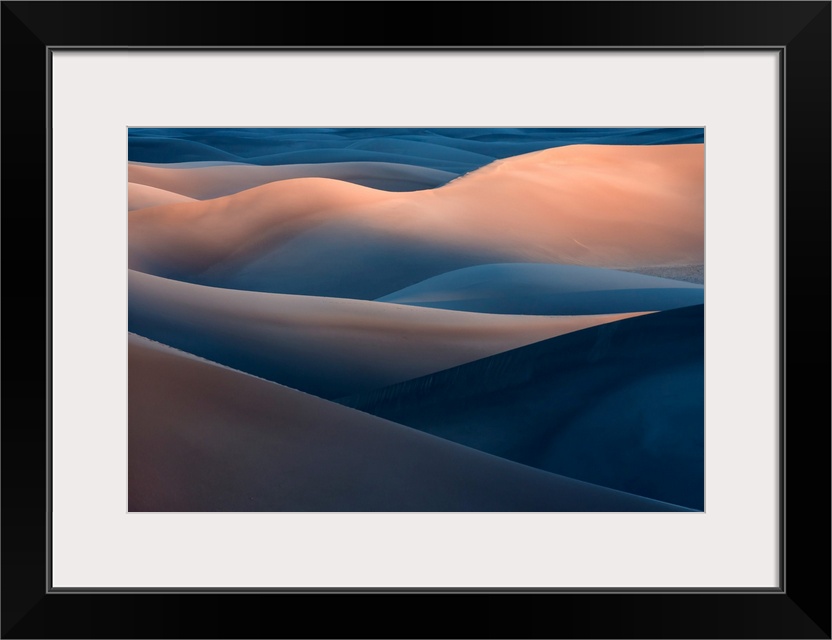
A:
(206, 182)
(206, 438)
(593, 205)
(694, 273)
(329, 347)
(620, 405)
(186, 239)
(140, 196)
(547, 289)
(188, 152)
(147, 148)
(436, 150)
(450, 148)
(339, 260)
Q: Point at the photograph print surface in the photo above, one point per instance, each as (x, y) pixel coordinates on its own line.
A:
(422, 319)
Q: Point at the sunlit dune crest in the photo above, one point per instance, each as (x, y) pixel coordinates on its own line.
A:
(328, 346)
(206, 438)
(194, 236)
(595, 205)
(585, 204)
(206, 182)
(140, 196)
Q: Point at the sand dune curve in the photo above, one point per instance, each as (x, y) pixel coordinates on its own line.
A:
(217, 180)
(271, 146)
(547, 289)
(140, 196)
(592, 205)
(325, 346)
(206, 438)
(619, 405)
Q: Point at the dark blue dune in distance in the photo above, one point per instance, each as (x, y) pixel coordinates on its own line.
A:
(547, 289)
(619, 405)
(457, 150)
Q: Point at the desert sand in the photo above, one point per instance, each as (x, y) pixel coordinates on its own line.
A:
(140, 196)
(327, 346)
(592, 205)
(547, 289)
(204, 181)
(206, 438)
(619, 405)
(450, 319)
(458, 149)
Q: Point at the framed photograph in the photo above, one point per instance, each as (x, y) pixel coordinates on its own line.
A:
(497, 309)
(297, 296)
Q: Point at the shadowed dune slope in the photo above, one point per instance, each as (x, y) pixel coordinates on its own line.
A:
(216, 180)
(326, 346)
(607, 206)
(206, 438)
(341, 260)
(140, 196)
(694, 273)
(185, 151)
(619, 405)
(464, 149)
(547, 289)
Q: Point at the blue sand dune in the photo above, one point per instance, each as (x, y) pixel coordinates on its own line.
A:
(182, 149)
(457, 150)
(321, 156)
(547, 289)
(620, 405)
(178, 151)
(386, 176)
(340, 260)
(331, 347)
(694, 273)
(206, 438)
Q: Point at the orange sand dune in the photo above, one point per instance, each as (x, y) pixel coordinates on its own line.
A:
(140, 196)
(609, 206)
(331, 347)
(206, 438)
(214, 181)
(197, 235)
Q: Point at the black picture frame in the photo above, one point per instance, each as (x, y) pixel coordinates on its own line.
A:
(799, 608)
